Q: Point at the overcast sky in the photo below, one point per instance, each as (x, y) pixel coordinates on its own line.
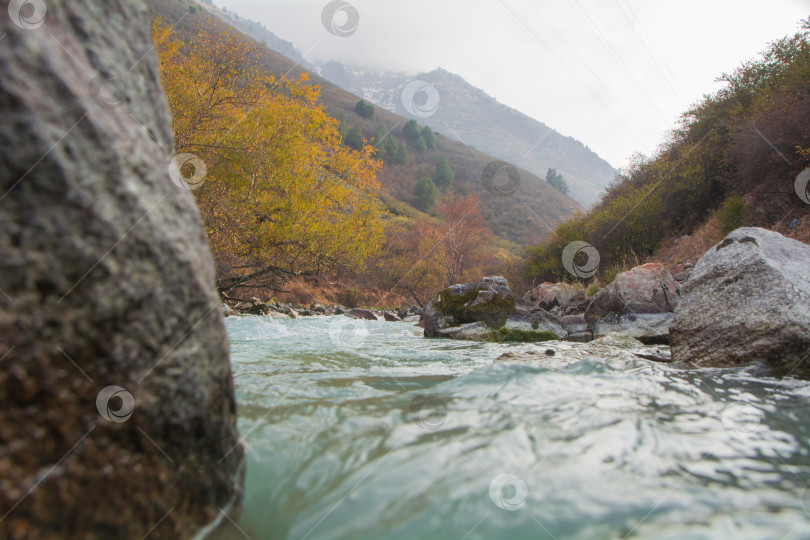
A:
(615, 74)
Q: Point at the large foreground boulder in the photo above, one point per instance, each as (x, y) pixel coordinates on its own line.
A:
(118, 411)
(747, 300)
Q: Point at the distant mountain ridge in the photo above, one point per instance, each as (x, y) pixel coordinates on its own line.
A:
(465, 113)
(522, 212)
(471, 116)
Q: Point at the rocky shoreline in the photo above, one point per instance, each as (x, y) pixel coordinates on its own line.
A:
(746, 300)
(280, 310)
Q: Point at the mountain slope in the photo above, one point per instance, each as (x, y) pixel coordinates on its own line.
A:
(464, 113)
(524, 215)
(469, 115)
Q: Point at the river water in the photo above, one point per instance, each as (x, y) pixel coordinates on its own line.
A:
(367, 430)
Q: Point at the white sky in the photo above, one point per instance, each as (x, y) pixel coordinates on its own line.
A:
(554, 60)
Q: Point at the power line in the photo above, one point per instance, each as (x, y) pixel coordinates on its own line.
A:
(655, 49)
(649, 52)
(597, 77)
(586, 18)
(573, 74)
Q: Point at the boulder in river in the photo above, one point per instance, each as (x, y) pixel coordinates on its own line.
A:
(548, 295)
(747, 300)
(357, 313)
(638, 303)
(559, 298)
(118, 413)
(640, 320)
(488, 310)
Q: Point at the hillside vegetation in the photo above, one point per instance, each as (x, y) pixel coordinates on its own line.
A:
(290, 190)
(467, 114)
(279, 194)
(464, 113)
(523, 216)
(732, 161)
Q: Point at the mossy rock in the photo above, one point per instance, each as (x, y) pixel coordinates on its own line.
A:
(505, 335)
(492, 312)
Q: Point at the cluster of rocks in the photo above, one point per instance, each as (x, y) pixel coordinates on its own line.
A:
(746, 300)
(639, 303)
(280, 310)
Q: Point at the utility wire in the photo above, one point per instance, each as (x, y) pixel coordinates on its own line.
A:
(655, 49)
(573, 74)
(630, 112)
(678, 95)
(586, 18)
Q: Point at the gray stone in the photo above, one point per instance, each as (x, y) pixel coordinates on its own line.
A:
(476, 331)
(228, 311)
(550, 295)
(682, 276)
(649, 328)
(579, 337)
(748, 300)
(106, 281)
(358, 313)
(535, 320)
(574, 324)
(638, 303)
(496, 280)
(491, 304)
(649, 283)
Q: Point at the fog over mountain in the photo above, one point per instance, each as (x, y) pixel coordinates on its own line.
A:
(615, 75)
(460, 111)
(467, 114)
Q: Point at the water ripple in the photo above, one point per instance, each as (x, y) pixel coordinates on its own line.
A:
(395, 436)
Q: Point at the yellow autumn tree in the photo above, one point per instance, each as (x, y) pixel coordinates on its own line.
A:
(281, 196)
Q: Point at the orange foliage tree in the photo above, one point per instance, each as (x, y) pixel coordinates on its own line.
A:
(465, 235)
(281, 196)
(412, 259)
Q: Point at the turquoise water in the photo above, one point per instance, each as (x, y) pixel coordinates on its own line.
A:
(366, 430)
